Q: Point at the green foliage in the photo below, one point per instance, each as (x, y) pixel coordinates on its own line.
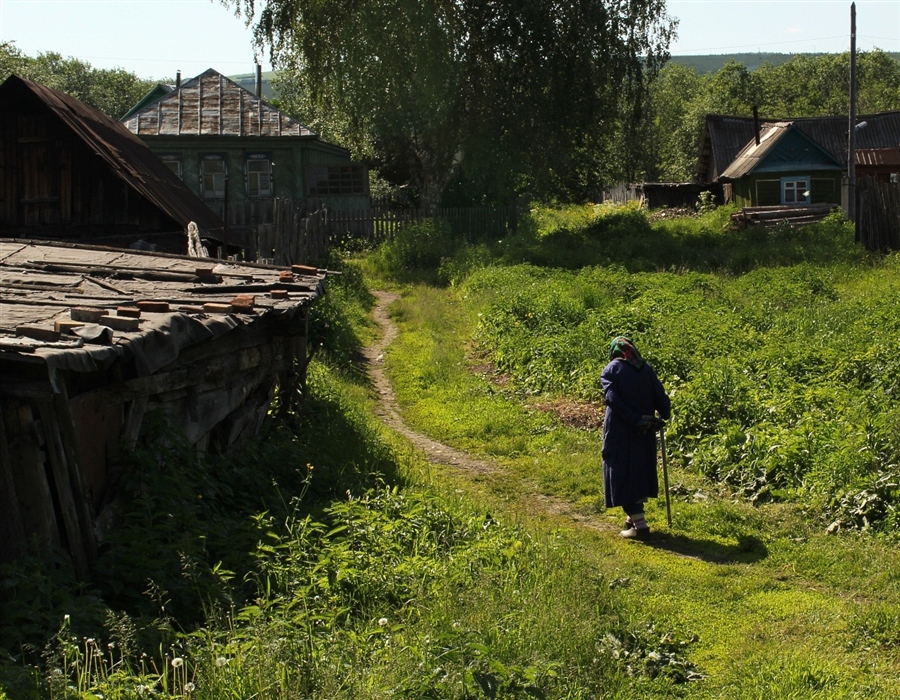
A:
(337, 321)
(417, 248)
(802, 86)
(505, 94)
(765, 366)
(112, 91)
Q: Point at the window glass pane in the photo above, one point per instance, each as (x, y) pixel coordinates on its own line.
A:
(336, 180)
(174, 166)
(259, 183)
(213, 176)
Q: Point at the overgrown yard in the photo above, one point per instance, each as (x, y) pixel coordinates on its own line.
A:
(332, 560)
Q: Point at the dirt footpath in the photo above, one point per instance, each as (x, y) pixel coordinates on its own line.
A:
(437, 452)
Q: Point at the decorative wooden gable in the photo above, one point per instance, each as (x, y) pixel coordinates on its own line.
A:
(794, 150)
(213, 105)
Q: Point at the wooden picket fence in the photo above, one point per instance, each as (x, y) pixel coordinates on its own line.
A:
(380, 224)
(298, 234)
(302, 230)
(878, 214)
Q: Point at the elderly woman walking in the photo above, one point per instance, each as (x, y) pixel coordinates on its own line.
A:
(634, 396)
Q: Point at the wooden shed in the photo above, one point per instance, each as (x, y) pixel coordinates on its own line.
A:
(92, 338)
(69, 171)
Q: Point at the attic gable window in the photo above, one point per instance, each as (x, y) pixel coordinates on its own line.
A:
(258, 172)
(795, 190)
(213, 174)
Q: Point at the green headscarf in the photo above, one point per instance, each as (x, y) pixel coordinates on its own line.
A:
(623, 347)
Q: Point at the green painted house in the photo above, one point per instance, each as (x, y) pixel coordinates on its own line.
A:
(783, 166)
(237, 152)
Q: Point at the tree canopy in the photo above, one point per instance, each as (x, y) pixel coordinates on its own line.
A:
(526, 95)
(804, 86)
(112, 91)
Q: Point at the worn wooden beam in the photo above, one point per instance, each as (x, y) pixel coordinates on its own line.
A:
(62, 487)
(80, 491)
(134, 417)
(29, 474)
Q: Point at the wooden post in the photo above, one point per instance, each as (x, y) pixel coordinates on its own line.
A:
(851, 150)
(12, 534)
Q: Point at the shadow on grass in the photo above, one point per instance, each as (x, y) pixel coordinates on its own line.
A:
(747, 550)
(629, 240)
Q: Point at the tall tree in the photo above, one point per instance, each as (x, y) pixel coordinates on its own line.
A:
(113, 91)
(533, 90)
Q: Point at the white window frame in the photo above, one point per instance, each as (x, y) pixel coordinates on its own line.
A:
(790, 186)
(218, 180)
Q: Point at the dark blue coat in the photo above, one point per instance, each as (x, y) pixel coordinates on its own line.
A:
(629, 458)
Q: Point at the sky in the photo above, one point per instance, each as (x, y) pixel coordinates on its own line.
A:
(156, 38)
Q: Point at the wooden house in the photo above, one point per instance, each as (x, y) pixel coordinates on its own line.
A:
(69, 171)
(238, 153)
(93, 338)
(725, 136)
(783, 166)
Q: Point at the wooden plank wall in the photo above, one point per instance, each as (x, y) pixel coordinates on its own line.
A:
(878, 212)
(302, 230)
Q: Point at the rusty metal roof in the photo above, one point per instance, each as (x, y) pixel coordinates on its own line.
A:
(134, 304)
(128, 157)
(213, 105)
(726, 136)
(878, 156)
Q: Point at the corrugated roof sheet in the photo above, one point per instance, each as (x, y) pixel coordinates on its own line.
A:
(878, 156)
(750, 156)
(726, 136)
(128, 157)
(213, 105)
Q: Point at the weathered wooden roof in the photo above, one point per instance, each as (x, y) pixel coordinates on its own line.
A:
(133, 304)
(212, 105)
(128, 157)
(725, 137)
(781, 142)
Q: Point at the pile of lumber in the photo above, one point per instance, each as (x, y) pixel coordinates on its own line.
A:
(784, 213)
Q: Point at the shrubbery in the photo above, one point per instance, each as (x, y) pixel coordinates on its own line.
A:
(778, 345)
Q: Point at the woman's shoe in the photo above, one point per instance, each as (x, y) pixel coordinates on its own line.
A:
(641, 534)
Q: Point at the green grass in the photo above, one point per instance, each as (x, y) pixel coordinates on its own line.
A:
(794, 354)
(330, 560)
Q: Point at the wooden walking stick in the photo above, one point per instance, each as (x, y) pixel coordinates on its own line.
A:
(662, 448)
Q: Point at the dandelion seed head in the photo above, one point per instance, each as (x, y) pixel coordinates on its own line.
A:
(382, 622)
(221, 661)
(177, 662)
(188, 687)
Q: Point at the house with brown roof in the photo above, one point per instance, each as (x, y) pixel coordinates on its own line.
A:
(69, 171)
